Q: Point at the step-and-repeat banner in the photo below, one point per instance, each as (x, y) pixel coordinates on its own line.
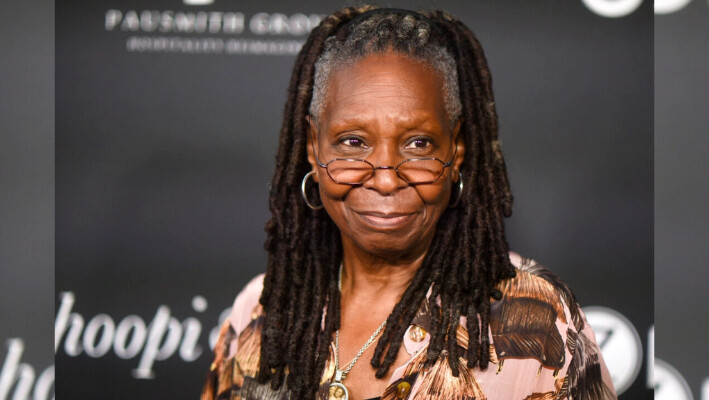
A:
(681, 198)
(167, 116)
(26, 199)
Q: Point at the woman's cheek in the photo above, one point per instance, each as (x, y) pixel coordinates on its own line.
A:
(332, 190)
(435, 194)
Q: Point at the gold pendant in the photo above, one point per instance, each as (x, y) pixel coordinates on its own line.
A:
(337, 390)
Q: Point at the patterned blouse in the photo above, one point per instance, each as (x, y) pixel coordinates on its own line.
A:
(541, 347)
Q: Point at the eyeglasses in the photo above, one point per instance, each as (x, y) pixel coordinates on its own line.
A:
(414, 171)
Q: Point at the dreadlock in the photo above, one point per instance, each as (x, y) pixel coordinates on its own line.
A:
(466, 259)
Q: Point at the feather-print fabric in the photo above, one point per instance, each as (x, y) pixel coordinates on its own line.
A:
(440, 383)
(523, 322)
(541, 349)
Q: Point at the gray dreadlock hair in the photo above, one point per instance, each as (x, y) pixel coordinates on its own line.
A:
(380, 34)
(468, 256)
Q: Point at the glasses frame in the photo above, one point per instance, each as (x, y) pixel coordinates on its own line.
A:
(395, 168)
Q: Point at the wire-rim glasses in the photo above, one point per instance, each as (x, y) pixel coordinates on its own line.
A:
(413, 171)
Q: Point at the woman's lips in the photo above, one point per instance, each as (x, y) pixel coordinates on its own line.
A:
(386, 220)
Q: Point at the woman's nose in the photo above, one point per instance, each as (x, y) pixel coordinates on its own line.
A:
(385, 179)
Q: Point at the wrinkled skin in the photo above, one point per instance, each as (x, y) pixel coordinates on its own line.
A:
(385, 108)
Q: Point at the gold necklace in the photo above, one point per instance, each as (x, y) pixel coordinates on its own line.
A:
(337, 389)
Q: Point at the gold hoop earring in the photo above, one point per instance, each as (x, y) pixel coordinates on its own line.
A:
(460, 191)
(305, 197)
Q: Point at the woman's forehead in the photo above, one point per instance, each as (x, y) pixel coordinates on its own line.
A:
(388, 85)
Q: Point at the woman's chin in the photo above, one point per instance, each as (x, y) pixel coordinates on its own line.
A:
(391, 246)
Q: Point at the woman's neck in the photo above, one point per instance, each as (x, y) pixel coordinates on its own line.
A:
(377, 278)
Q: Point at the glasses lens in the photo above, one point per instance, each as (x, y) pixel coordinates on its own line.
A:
(349, 171)
(421, 171)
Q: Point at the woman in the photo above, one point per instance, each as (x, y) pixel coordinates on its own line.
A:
(389, 274)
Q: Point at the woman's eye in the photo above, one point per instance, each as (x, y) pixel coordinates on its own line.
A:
(353, 142)
(419, 143)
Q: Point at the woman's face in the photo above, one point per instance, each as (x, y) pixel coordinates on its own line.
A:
(385, 108)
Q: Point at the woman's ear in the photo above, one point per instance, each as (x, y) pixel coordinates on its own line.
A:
(460, 151)
(311, 144)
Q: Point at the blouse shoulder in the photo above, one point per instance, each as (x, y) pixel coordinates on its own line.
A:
(246, 304)
(537, 282)
(539, 309)
(241, 329)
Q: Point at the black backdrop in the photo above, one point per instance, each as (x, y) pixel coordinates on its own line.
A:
(26, 195)
(166, 129)
(681, 198)
(27, 212)
(150, 145)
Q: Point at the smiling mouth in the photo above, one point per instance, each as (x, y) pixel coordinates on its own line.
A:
(386, 220)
